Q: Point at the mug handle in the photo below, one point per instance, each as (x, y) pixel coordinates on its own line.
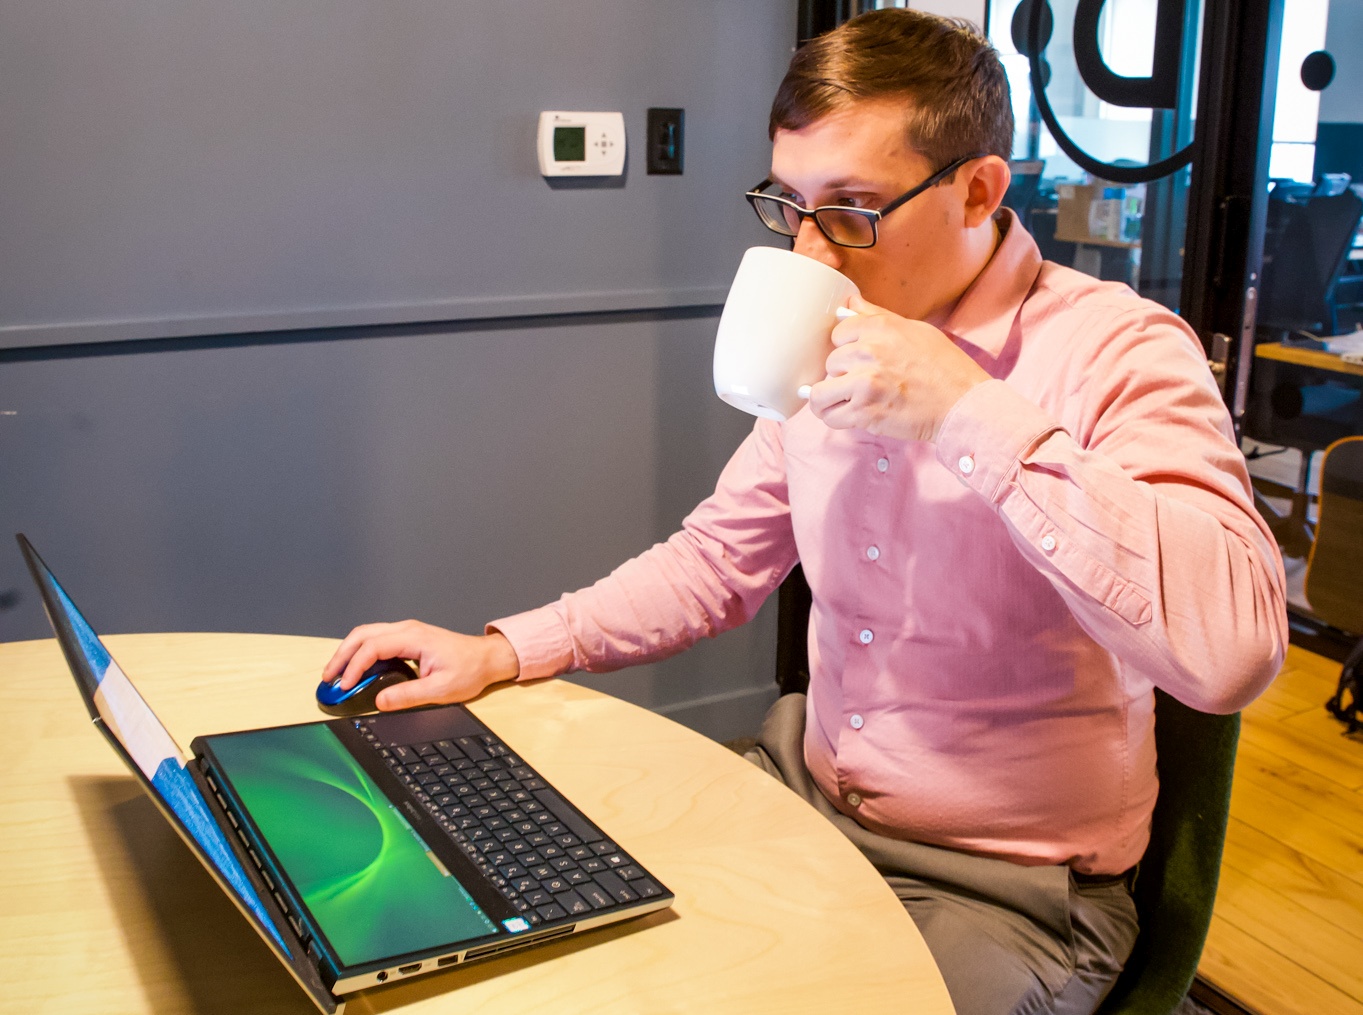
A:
(842, 313)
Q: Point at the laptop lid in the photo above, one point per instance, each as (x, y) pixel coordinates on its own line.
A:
(149, 751)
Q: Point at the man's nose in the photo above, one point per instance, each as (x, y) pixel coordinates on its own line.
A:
(813, 243)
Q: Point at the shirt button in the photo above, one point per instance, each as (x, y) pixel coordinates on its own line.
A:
(882, 464)
(873, 552)
(867, 636)
(1048, 543)
(966, 465)
(857, 722)
(854, 799)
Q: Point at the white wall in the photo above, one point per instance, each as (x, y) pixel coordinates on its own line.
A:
(971, 10)
(1342, 102)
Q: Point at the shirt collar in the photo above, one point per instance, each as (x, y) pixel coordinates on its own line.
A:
(984, 314)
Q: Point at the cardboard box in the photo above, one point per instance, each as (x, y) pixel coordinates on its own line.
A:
(1098, 212)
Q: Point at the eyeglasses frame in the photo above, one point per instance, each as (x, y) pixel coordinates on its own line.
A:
(873, 214)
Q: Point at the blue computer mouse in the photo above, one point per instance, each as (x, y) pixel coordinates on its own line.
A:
(360, 698)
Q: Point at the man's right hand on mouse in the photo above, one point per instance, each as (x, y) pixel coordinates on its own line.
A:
(450, 666)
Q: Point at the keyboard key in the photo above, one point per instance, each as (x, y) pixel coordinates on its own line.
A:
(602, 848)
(567, 840)
(524, 884)
(492, 824)
(479, 834)
(517, 846)
(564, 863)
(596, 865)
(512, 870)
(618, 889)
(580, 852)
(482, 783)
(538, 897)
(556, 885)
(472, 748)
(505, 834)
(404, 754)
(573, 903)
(646, 888)
(577, 877)
(520, 904)
(616, 860)
(533, 807)
(555, 828)
(447, 748)
(596, 895)
(550, 851)
(531, 857)
(629, 872)
(553, 911)
(500, 858)
(425, 749)
(538, 838)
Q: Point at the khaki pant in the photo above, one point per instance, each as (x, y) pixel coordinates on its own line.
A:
(1009, 940)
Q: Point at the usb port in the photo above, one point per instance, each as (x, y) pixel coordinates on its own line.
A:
(448, 960)
(404, 970)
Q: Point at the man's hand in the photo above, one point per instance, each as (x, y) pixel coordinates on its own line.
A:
(891, 376)
(450, 666)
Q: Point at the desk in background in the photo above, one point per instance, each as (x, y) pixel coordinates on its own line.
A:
(106, 910)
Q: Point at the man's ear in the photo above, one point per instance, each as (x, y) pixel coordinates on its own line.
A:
(987, 182)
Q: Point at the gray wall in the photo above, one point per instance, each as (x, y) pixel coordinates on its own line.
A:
(197, 168)
(303, 481)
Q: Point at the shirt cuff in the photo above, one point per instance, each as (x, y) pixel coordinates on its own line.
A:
(985, 434)
(540, 641)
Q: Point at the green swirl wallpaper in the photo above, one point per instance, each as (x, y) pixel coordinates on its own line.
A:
(361, 868)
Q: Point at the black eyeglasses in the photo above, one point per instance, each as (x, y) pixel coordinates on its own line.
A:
(847, 227)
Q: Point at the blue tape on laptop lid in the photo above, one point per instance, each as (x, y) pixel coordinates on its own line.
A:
(148, 748)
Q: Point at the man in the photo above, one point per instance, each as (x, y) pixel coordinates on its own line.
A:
(1019, 508)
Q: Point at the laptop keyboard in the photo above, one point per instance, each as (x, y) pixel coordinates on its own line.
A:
(536, 851)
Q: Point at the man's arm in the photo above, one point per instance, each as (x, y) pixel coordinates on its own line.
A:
(1143, 519)
(731, 552)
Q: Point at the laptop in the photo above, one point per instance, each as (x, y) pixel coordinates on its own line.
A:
(371, 849)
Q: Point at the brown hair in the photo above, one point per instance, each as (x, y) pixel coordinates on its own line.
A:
(943, 67)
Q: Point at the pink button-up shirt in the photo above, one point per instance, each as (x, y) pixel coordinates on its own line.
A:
(990, 613)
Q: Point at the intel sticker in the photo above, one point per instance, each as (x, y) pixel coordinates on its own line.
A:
(516, 924)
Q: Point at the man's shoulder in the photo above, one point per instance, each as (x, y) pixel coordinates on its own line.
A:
(1095, 306)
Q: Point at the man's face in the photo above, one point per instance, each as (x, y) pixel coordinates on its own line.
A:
(859, 156)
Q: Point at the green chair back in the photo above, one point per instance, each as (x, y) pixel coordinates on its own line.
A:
(1176, 885)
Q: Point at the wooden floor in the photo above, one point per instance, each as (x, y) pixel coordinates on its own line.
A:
(1287, 934)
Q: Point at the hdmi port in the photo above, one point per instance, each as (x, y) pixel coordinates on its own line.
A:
(404, 970)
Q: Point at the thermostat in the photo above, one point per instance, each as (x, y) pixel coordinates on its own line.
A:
(581, 144)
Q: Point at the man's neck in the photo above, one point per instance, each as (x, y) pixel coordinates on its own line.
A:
(980, 251)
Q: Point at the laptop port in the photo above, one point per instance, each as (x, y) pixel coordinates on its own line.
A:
(382, 975)
(448, 960)
(404, 970)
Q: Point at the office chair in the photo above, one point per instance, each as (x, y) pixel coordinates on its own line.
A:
(1334, 570)
(1176, 886)
(1306, 244)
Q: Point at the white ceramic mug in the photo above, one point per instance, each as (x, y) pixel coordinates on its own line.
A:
(776, 330)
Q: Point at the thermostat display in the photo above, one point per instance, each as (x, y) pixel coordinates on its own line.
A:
(581, 144)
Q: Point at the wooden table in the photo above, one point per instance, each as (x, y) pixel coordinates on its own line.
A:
(1317, 358)
(103, 909)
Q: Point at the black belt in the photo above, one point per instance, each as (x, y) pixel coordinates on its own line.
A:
(1128, 875)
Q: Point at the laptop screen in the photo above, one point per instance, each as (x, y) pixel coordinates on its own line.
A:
(145, 741)
(372, 884)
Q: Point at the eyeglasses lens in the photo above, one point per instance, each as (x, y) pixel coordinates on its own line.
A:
(846, 228)
(777, 215)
